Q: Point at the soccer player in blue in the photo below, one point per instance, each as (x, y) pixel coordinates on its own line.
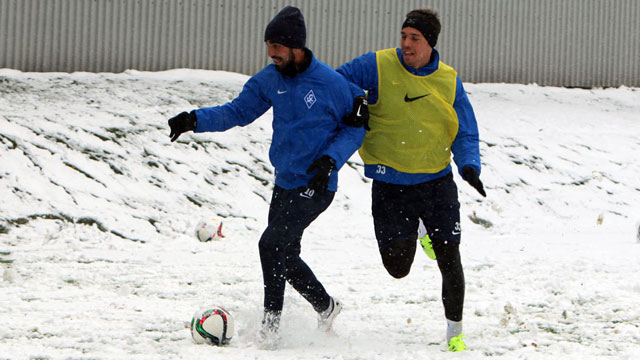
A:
(419, 116)
(310, 144)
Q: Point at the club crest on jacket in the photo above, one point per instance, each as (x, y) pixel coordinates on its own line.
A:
(310, 99)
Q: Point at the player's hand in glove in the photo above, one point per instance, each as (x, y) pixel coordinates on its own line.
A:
(323, 167)
(180, 123)
(471, 176)
(359, 115)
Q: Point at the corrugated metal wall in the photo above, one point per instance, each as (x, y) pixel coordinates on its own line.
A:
(549, 42)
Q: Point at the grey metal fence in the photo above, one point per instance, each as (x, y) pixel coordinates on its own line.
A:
(549, 42)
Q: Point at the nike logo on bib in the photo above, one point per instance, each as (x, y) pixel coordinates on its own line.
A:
(410, 99)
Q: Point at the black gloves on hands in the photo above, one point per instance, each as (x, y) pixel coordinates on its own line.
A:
(323, 166)
(180, 123)
(471, 176)
(359, 115)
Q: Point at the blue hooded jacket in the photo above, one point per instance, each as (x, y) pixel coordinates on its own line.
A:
(363, 72)
(307, 119)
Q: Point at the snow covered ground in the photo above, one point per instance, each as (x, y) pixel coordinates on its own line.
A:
(98, 209)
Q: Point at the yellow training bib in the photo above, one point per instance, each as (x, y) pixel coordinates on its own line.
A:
(413, 124)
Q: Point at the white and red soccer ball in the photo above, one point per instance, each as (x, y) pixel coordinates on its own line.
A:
(209, 229)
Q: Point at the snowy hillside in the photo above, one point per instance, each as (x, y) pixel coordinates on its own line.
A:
(98, 210)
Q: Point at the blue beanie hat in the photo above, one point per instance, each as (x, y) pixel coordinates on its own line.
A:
(287, 28)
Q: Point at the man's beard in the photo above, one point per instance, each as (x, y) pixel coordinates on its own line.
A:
(288, 67)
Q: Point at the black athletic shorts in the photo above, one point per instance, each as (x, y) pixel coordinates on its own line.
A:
(396, 209)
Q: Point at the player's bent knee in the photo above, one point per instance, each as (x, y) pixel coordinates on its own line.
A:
(397, 259)
(267, 244)
(397, 272)
(397, 266)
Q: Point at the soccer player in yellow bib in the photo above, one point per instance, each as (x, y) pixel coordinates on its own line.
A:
(419, 115)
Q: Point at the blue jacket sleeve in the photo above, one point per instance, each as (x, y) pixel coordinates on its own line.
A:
(363, 73)
(465, 147)
(241, 111)
(348, 139)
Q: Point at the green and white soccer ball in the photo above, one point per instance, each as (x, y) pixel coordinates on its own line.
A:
(209, 229)
(212, 325)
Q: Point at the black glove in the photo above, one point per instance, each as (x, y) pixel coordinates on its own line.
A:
(180, 123)
(471, 176)
(359, 115)
(323, 165)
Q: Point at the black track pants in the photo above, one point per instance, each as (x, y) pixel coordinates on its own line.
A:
(396, 210)
(290, 212)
